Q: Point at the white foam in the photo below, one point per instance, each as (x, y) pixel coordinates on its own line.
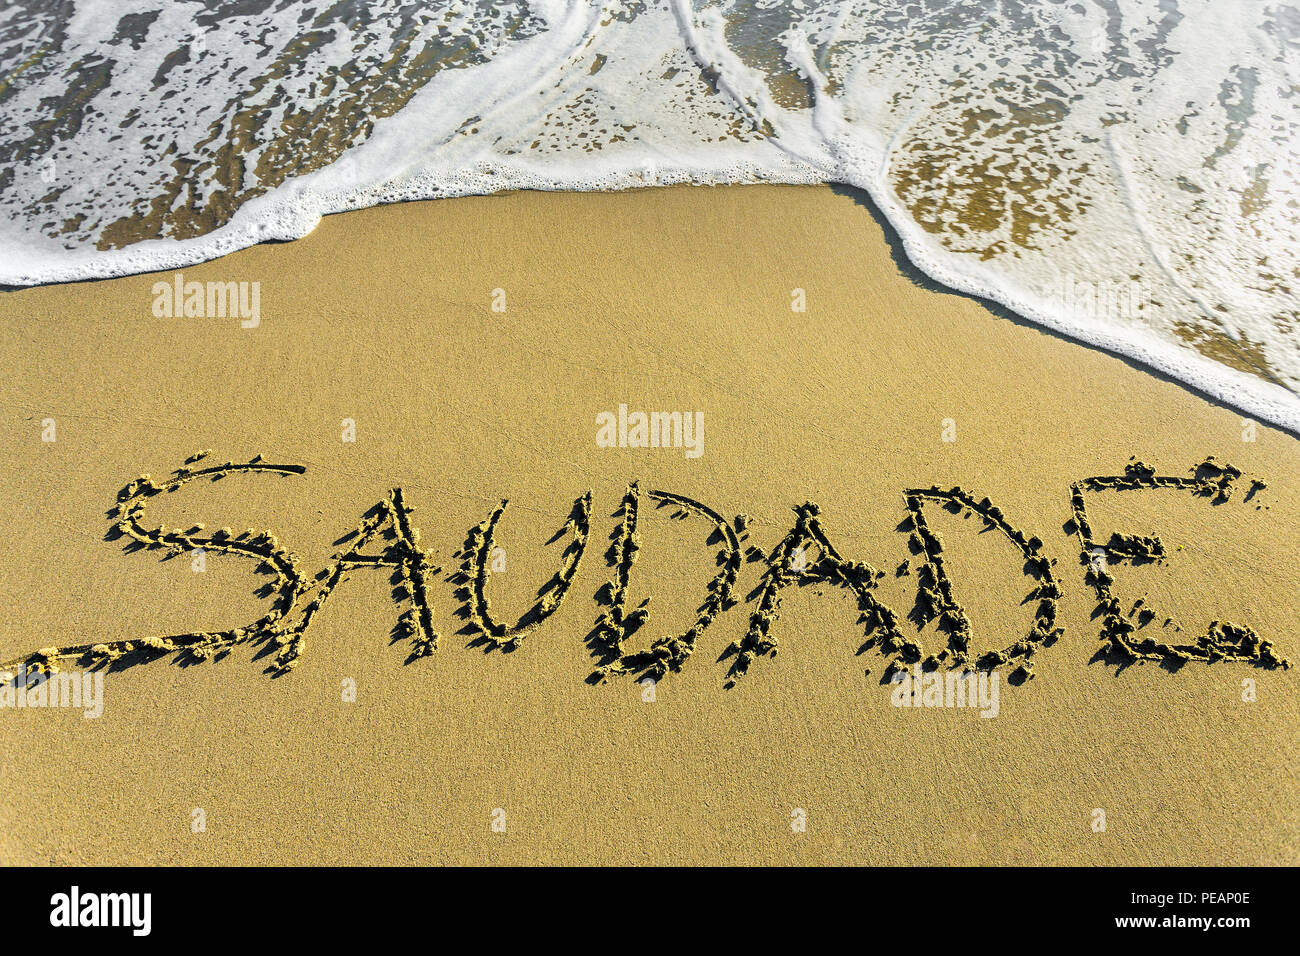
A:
(1015, 149)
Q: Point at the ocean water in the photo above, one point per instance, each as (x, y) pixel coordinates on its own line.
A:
(1122, 171)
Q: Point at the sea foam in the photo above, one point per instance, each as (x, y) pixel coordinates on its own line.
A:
(1123, 172)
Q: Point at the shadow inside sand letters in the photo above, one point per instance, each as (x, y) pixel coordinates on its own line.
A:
(387, 540)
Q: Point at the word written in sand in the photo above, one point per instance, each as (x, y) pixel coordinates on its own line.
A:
(387, 539)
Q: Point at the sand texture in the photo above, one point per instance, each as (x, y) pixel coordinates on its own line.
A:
(493, 586)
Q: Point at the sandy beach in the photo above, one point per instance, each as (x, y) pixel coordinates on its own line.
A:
(463, 350)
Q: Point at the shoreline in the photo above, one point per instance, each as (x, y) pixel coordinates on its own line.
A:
(1245, 393)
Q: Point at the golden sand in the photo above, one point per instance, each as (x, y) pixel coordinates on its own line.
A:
(483, 727)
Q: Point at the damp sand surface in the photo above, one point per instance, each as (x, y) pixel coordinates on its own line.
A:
(518, 713)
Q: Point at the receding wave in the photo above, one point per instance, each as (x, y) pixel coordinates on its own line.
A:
(1123, 172)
